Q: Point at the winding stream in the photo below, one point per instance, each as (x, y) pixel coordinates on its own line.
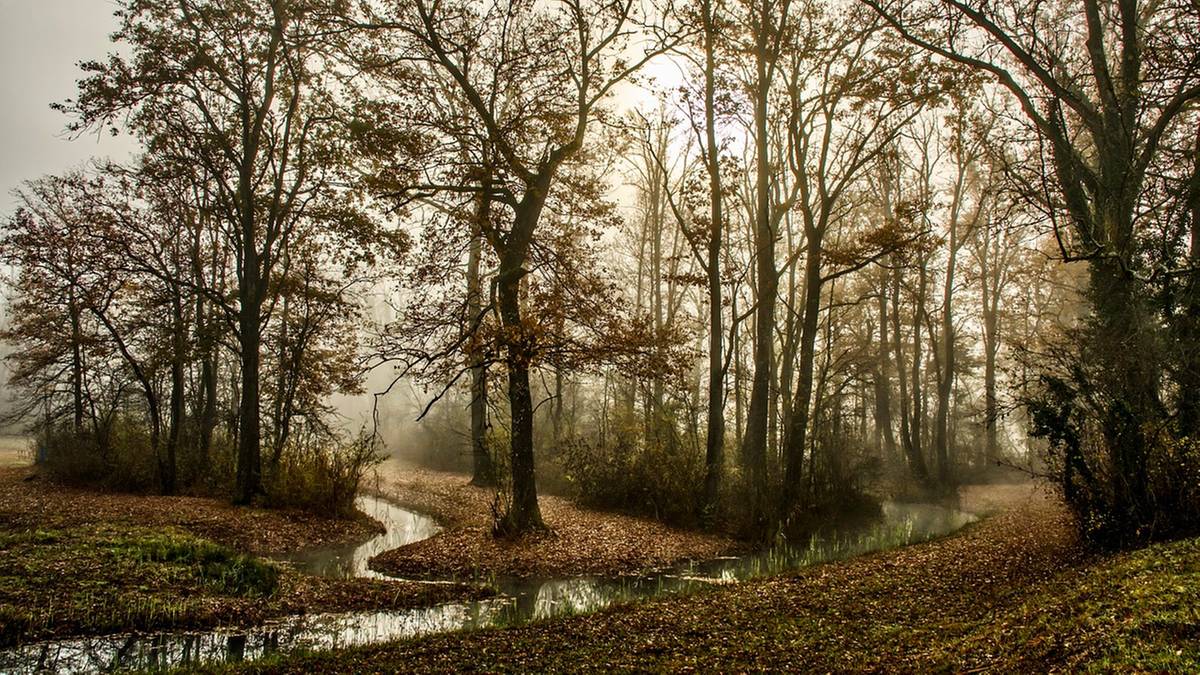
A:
(520, 600)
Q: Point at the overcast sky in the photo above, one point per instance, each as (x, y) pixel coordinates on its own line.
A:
(41, 43)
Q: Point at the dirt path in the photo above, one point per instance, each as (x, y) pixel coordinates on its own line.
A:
(583, 542)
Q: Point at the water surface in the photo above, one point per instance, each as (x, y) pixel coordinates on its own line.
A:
(522, 600)
(350, 560)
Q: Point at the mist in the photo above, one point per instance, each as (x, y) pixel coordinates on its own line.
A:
(658, 336)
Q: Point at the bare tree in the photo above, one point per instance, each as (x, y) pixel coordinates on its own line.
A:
(532, 81)
(236, 87)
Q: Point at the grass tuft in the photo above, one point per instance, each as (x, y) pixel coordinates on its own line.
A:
(221, 569)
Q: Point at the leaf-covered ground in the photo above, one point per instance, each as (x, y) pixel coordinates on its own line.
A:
(30, 502)
(74, 562)
(1014, 593)
(582, 541)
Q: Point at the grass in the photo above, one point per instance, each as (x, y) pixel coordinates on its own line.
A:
(1014, 593)
(99, 579)
(77, 562)
(1135, 611)
(114, 578)
(217, 567)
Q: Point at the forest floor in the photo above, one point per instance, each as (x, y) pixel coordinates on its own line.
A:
(81, 562)
(581, 542)
(1015, 592)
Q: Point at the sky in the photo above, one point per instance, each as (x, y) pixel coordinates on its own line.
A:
(41, 44)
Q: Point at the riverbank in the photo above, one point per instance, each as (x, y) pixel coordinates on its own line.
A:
(29, 501)
(582, 542)
(1013, 593)
(77, 562)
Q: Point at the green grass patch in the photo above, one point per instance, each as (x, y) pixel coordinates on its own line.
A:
(1137, 611)
(218, 567)
(108, 578)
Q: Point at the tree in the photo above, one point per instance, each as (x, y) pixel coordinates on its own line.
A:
(768, 23)
(969, 183)
(236, 90)
(45, 242)
(849, 101)
(1100, 102)
(531, 80)
(714, 454)
(995, 251)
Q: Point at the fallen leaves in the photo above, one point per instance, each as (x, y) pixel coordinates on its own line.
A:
(582, 542)
(42, 504)
(62, 572)
(909, 609)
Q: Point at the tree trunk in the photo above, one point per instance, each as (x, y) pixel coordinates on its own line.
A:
(484, 471)
(281, 414)
(249, 462)
(946, 381)
(738, 405)
(1119, 337)
(76, 363)
(990, 275)
(1188, 379)
(754, 445)
(883, 381)
(524, 514)
(178, 353)
(653, 413)
(797, 434)
(714, 453)
(909, 440)
(208, 411)
(556, 408)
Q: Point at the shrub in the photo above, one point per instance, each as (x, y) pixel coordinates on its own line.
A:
(318, 470)
(1143, 488)
(660, 477)
(120, 459)
(321, 472)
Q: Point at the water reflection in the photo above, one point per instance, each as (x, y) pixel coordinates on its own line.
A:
(523, 601)
(349, 561)
(311, 632)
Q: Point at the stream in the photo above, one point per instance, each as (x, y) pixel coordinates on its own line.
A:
(520, 600)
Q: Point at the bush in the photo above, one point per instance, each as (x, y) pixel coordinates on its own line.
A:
(321, 472)
(120, 460)
(318, 470)
(1127, 493)
(661, 478)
